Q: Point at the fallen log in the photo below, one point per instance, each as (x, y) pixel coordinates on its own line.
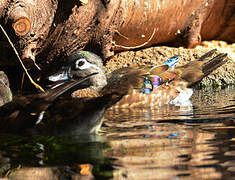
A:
(45, 30)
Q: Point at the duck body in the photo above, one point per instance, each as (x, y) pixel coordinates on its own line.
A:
(54, 114)
(174, 87)
(151, 87)
(76, 116)
(51, 113)
(158, 94)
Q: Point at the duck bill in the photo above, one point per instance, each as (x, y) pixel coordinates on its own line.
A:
(58, 83)
(62, 75)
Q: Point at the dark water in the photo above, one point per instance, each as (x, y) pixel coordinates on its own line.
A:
(191, 142)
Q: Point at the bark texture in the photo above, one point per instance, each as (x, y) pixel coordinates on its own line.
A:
(45, 30)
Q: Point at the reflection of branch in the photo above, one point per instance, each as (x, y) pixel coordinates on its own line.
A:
(31, 80)
(139, 46)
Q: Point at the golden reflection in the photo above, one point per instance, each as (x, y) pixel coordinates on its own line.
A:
(162, 144)
(157, 154)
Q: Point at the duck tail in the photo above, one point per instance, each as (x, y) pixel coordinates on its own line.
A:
(206, 55)
(195, 71)
(214, 63)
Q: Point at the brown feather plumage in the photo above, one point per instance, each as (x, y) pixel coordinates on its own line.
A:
(130, 83)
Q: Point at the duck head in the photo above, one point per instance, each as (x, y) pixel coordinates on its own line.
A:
(80, 64)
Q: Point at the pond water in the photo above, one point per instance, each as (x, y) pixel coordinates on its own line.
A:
(191, 142)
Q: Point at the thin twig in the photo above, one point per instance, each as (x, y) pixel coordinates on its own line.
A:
(139, 46)
(26, 71)
(22, 81)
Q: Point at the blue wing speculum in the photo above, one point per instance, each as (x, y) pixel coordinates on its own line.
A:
(171, 62)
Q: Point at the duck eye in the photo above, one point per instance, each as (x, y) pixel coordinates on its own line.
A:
(82, 64)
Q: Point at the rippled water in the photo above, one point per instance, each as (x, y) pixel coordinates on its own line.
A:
(192, 142)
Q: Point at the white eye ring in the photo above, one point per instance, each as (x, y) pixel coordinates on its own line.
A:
(82, 64)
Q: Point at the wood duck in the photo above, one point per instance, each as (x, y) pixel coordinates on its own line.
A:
(5, 91)
(52, 113)
(154, 86)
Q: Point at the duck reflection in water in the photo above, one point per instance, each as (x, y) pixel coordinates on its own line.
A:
(151, 87)
(54, 114)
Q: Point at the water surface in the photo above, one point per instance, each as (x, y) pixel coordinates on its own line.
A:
(190, 142)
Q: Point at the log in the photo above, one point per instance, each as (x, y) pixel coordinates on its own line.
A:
(46, 30)
(178, 21)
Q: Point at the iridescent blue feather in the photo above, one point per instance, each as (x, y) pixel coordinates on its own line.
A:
(171, 62)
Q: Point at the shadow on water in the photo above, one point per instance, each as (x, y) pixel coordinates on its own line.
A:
(191, 142)
(51, 157)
